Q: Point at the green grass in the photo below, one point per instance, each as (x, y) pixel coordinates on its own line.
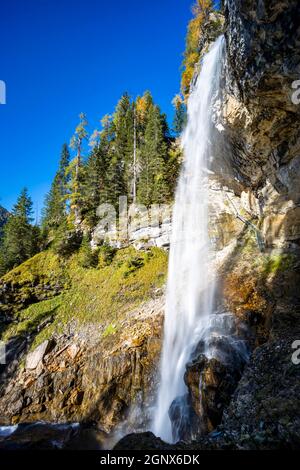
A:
(29, 319)
(278, 262)
(95, 295)
(111, 329)
(45, 265)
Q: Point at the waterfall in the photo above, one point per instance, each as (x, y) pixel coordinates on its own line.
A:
(190, 288)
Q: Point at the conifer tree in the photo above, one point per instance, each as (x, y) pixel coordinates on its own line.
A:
(152, 188)
(143, 105)
(122, 148)
(55, 209)
(180, 115)
(21, 239)
(75, 168)
(107, 150)
(172, 167)
(95, 183)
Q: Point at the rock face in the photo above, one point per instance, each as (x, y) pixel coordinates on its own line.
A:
(211, 382)
(143, 231)
(264, 411)
(87, 376)
(237, 397)
(34, 358)
(211, 377)
(261, 118)
(47, 436)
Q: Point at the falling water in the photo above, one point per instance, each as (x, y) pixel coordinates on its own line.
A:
(190, 289)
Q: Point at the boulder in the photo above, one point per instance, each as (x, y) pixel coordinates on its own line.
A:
(211, 384)
(73, 350)
(185, 422)
(35, 357)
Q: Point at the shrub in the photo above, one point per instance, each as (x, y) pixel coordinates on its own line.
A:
(106, 255)
(88, 258)
(66, 242)
(133, 265)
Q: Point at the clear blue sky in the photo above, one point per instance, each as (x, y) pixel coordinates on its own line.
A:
(61, 57)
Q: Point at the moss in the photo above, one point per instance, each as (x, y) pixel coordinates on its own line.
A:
(106, 255)
(278, 262)
(111, 329)
(95, 295)
(43, 265)
(134, 264)
(250, 243)
(30, 319)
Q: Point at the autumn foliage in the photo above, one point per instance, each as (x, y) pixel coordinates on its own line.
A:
(201, 10)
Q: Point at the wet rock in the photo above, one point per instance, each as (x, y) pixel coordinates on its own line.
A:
(39, 436)
(142, 441)
(261, 40)
(264, 411)
(213, 374)
(211, 384)
(186, 425)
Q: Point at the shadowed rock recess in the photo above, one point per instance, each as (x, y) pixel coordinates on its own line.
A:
(83, 345)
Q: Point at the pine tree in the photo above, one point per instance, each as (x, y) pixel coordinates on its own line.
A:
(180, 115)
(152, 187)
(75, 168)
(4, 214)
(172, 167)
(88, 258)
(143, 105)
(95, 183)
(21, 239)
(55, 209)
(121, 149)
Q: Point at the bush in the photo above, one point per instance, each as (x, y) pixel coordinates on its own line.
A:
(133, 265)
(88, 258)
(106, 255)
(66, 241)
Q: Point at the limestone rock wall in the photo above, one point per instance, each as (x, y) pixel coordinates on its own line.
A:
(261, 119)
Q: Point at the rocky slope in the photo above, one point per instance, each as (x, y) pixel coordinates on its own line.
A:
(82, 345)
(87, 375)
